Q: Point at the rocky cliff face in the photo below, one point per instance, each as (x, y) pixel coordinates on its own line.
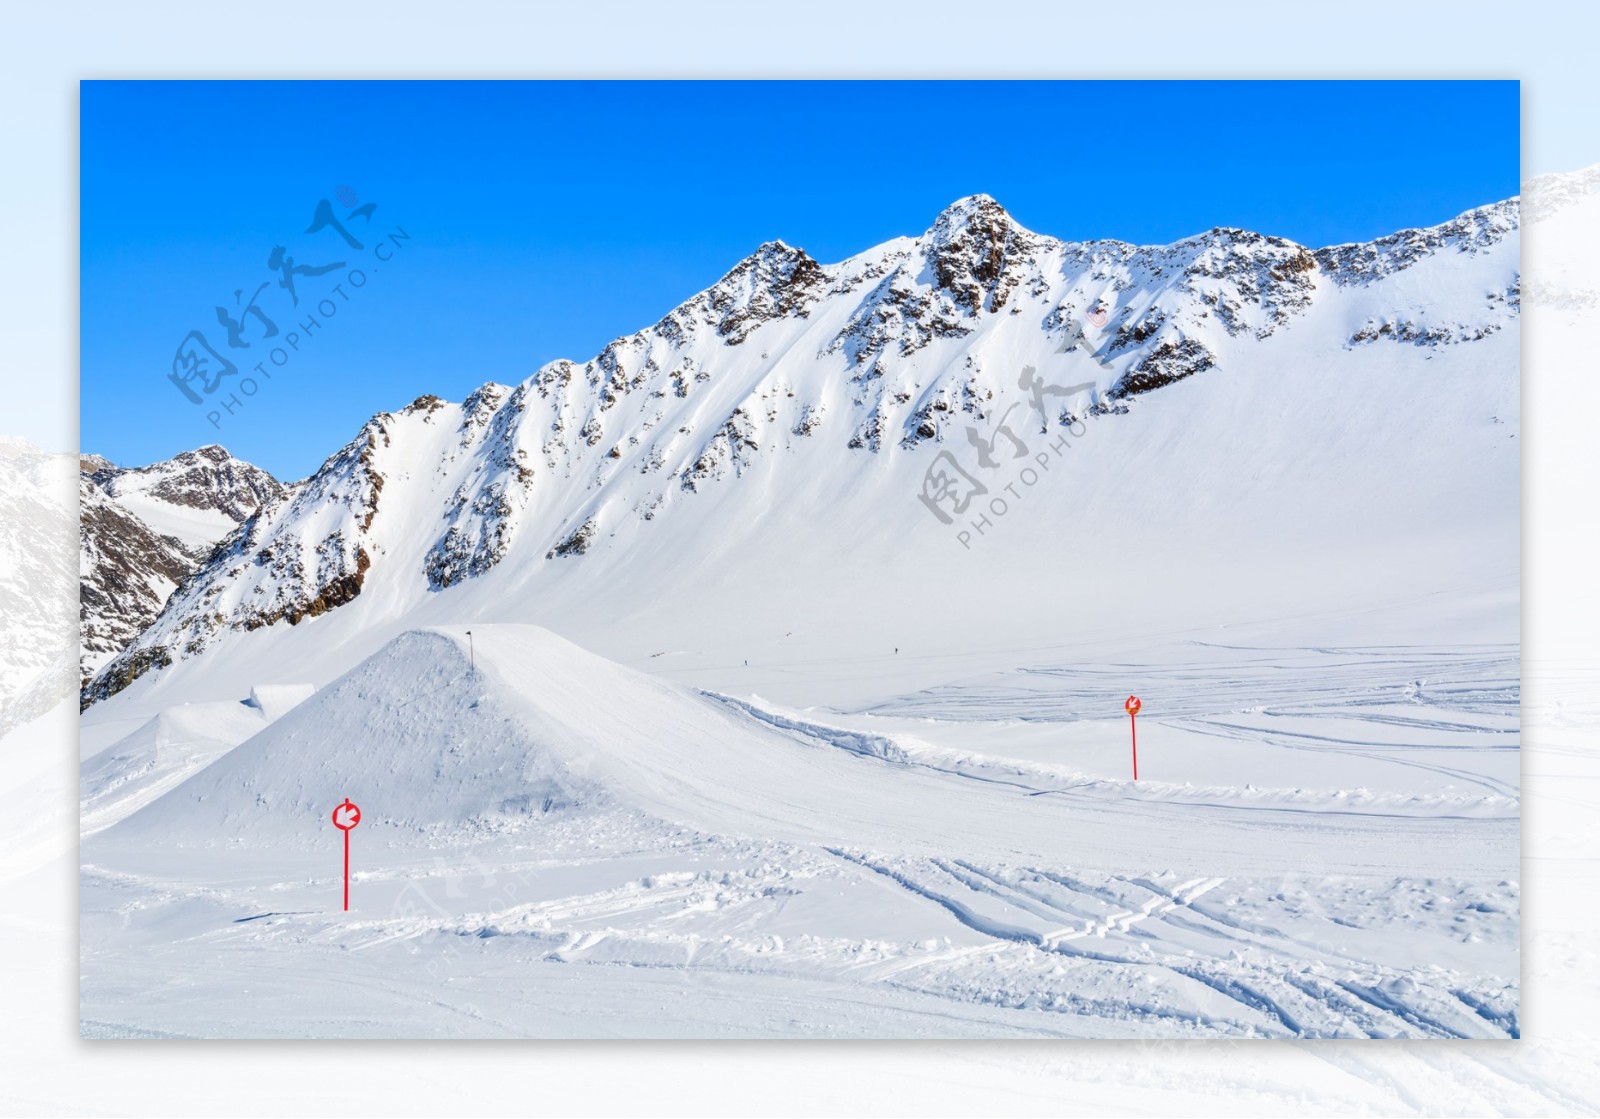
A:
(859, 369)
(127, 573)
(143, 531)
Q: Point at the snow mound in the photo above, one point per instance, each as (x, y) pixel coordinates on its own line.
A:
(159, 755)
(440, 749)
(434, 748)
(277, 700)
(412, 734)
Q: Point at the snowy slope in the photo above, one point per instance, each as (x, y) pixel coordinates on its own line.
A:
(143, 764)
(985, 886)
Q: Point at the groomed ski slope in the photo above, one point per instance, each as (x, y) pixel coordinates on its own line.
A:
(552, 807)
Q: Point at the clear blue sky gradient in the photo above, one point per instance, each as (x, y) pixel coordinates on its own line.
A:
(546, 219)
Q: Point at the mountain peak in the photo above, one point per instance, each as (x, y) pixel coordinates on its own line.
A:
(974, 249)
(917, 347)
(975, 212)
(776, 281)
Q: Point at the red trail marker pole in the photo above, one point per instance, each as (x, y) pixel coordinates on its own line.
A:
(345, 817)
(1132, 708)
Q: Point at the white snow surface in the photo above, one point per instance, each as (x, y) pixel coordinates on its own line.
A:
(769, 750)
(548, 807)
(198, 529)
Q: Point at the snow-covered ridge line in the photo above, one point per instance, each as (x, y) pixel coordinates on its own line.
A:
(787, 368)
(1472, 232)
(1545, 195)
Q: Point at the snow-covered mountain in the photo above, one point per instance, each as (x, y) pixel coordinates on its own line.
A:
(36, 525)
(781, 650)
(840, 415)
(197, 497)
(143, 531)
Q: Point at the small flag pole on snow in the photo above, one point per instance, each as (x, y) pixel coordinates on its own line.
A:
(1132, 708)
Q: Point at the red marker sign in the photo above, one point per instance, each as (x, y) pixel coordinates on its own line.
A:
(345, 817)
(1132, 708)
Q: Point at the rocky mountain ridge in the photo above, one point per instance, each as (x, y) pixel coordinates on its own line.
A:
(875, 364)
(143, 531)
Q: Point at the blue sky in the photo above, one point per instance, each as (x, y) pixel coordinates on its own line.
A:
(545, 219)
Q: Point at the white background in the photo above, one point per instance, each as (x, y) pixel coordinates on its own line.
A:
(44, 1069)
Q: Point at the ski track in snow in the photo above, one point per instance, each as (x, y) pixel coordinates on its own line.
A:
(840, 891)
